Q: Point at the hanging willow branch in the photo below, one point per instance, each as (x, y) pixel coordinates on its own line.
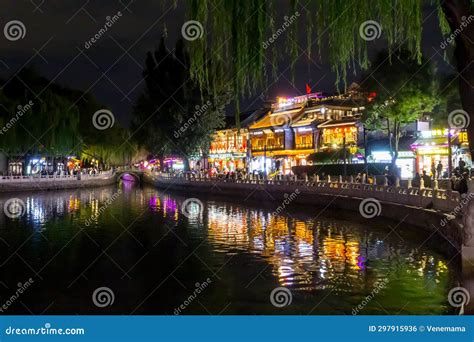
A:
(235, 33)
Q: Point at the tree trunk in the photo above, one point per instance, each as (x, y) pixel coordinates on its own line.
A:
(396, 140)
(457, 12)
(186, 163)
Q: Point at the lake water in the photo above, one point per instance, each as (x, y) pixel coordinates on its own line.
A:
(218, 257)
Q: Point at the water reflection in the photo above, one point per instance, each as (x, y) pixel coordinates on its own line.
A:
(329, 261)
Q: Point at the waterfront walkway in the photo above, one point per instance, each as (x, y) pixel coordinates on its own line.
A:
(435, 198)
(54, 182)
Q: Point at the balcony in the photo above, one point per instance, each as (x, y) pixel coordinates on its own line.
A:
(303, 146)
(268, 147)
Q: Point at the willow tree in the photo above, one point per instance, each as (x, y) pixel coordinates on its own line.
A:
(237, 36)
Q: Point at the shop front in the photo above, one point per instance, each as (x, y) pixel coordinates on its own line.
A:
(279, 162)
(227, 162)
(432, 148)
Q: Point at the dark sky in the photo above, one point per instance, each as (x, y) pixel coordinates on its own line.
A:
(57, 30)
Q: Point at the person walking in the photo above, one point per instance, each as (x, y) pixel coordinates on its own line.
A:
(426, 180)
(439, 170)
(462, 165)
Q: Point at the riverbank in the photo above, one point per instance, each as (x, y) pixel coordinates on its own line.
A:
(418, 213)
(47, 183)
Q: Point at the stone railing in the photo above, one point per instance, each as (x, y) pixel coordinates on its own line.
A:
(432, 198)
(45, 178)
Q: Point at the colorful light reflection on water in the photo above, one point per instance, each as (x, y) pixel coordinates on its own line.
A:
(330, 265)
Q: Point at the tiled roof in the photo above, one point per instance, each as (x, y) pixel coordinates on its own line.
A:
(279, 118)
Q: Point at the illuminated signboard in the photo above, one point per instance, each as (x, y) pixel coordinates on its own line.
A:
(288, 101)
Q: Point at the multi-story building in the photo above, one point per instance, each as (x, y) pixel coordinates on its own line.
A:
(228, 150)
(300, 126)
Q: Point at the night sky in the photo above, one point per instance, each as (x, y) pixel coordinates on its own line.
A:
(57, 30)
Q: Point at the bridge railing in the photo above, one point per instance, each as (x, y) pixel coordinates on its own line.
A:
(444, 200)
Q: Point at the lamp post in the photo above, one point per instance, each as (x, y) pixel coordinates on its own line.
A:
(450, 153)
(344, 153)
(265, 160)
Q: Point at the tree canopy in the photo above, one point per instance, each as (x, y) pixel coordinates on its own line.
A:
(47, 119)
(174, 115)
(405, 91)
(235, 35)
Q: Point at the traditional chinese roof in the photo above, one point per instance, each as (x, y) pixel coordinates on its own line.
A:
(246, 118)
(280, 118)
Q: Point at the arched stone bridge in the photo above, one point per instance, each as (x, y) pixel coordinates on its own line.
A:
(129, 173)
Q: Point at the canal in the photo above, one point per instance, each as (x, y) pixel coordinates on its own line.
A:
(223, 257)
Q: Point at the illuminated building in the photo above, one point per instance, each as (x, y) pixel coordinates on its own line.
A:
(228, 150)
(432, 147)
(297, 127)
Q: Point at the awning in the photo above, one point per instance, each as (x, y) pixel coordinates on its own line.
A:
(438, 141)
(337, 123)
(404, 144)
(283, 153)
